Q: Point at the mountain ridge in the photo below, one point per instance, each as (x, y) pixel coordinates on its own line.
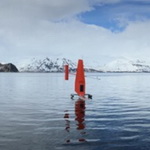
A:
(125, 65)
(57, 65)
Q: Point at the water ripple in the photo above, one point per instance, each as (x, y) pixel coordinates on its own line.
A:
(40, 115)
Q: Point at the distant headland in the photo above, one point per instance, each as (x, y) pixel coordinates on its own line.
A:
(9, 67)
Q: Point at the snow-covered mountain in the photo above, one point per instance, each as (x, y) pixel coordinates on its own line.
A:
(52, 65)
(47, 65)
(126, 65)
(57, 65)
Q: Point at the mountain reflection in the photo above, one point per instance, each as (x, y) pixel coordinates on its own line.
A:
(79, 118)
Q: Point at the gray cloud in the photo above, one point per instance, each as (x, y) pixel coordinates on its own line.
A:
(39, 28)
(45, 9)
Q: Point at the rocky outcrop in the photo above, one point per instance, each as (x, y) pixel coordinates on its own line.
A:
(8, 68)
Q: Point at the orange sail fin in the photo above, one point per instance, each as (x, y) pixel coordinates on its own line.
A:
(66, 72)
(80, 79)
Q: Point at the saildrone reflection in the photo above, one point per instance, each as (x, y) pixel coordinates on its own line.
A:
(67, 127)
(79, 118)
(80, 114)
(66, 116)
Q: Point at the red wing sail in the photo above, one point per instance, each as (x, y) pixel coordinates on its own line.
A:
(80, 79)
(66, 72)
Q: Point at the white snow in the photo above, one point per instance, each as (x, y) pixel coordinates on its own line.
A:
(57, 64)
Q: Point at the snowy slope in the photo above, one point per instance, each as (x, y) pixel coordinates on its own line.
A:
(125, 65)
(57, 65)
(47, 65)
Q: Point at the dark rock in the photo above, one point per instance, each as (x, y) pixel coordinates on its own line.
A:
(8, 68)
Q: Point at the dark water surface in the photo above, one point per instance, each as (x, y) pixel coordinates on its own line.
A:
(36, 112)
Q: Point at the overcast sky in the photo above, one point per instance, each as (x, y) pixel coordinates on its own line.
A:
(97, 29)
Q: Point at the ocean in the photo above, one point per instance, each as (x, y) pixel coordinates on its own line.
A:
(36, 112)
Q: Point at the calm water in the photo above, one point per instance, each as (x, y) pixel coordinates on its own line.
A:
(36, 112)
